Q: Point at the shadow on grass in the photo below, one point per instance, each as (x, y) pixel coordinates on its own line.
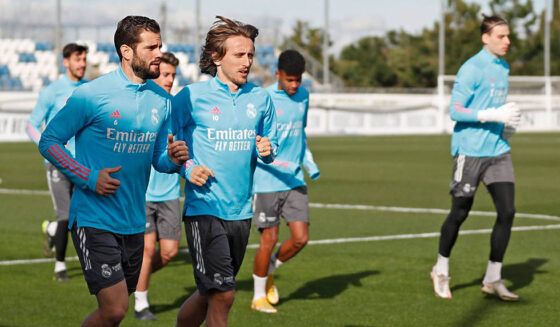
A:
(328, 287)
(520, 275)
(158, 308)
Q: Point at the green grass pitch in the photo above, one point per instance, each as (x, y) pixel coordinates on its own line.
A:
(353, 283)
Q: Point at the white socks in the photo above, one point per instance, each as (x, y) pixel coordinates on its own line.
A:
(59, 266)
(259, 285)
(442, 265)
(274, 264)
(141, 300)
(51, 228)
(493, 272)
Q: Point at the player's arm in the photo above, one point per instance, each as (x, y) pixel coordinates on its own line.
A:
(169, 154)
(38, 115)
(308, 162)
(74, 116)
(266, 141)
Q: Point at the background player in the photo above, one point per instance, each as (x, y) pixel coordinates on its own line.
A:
(116, 119)
(227, 124)
(163, 213)
(481, 153)
(50, 101)
(280, 187)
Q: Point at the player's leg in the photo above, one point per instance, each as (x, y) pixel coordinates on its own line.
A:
(141, 303)
(112, 306)
(169, 233)
(465, 179)
(193, 311)
(499, 180)
(266, 218)
(61, 189)
(295, 211)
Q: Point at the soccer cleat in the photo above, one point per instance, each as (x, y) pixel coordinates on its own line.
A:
(262, 305)
(61, 276)
(501, 290)
(48, 247)
(145, 314)
(441, 285)
(272, 295)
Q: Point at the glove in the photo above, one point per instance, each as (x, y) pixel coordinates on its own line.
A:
(508, 114)
(508, 132)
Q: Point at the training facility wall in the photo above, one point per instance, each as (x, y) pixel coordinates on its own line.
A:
(343, 114)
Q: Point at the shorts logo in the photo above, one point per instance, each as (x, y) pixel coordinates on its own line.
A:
(155, 118)
(106, 271)
(251, 111)
(468, 188)
(262, 217)
(218, 279)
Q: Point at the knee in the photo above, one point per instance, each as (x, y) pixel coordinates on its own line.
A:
(506, 215)
(224, 299)
(269, 240)
(149, 249)
(300, 241)
(114, 314)
(168, 254)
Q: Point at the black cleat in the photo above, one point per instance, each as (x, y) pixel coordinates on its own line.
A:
(145, 314)
(61, 276)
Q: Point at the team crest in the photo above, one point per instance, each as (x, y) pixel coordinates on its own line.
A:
(106, 270)
(155, 118)
(251, 111)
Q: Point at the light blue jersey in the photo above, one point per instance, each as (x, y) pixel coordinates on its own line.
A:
(220, 130)
(115, 123)
(51, 100)
(163, 187)
(285, 172)
(482, 83)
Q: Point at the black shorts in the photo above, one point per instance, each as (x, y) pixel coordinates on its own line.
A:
(217, 248)
(108, 258)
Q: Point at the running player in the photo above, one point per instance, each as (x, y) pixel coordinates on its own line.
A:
(117, 119)
(50, 101)
(481, 152)
(227, 123)
(280, 187)
(163, 213)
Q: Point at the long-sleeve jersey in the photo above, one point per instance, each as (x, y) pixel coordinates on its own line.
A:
(285, 172)
(482, 83)
(163, 187)
(220, 129)
(51, 100)
(115, 123)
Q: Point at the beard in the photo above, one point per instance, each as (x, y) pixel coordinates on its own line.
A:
(141, 68)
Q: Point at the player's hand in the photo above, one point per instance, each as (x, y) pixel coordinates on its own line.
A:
(508, 114)
(508, 132)
(177, 150)
(263, 146)
(200, 175)
(107, 185)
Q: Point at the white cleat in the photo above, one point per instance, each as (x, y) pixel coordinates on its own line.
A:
(501, 290)
(441, 285)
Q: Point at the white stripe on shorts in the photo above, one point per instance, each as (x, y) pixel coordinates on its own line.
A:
(460, 166)
(82, 237)
(198, 248)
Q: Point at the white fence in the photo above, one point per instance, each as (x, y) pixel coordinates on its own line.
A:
(344, 114)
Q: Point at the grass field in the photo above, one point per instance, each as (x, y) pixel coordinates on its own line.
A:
(359, 281)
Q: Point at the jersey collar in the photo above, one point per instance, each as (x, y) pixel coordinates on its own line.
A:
(127, 82)
(489, 57)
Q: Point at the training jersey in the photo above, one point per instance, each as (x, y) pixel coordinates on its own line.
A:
(115, 123)
(220, 129)
(51, 100)
(163, 187)
(285, 172)
(482, 83)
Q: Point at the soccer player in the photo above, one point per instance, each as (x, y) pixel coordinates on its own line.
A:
(163, 213)
(481, 152)
(116, 120)
(227, 123)
(50, 101)
(280, 187)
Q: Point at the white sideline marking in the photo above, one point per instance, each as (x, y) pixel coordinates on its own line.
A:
(332, 241)
(347, 207)
(423, 210)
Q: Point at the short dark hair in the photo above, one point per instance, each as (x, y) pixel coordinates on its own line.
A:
(489, 22)
(71, 48)
(222, 29)
(129, 29)
(169, 58)
(291, 62)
